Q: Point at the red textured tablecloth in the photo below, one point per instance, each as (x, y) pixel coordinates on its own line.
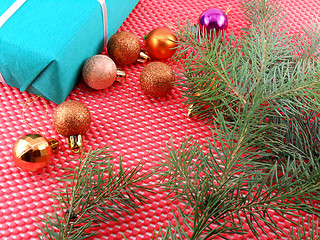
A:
(136, 126)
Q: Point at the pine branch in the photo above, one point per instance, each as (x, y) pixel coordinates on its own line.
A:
(313, 230)
(259, 93)
(94, 193)
(307, 43)
(300, 136)
(198, 181)
(266, 61)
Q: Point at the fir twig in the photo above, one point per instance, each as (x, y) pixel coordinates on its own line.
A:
(259, 93)
(313, 230)
(95, 192)
(216, 197)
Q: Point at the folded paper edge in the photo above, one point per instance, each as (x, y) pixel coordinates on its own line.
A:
(1, 78)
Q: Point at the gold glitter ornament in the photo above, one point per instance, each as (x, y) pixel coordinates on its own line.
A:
(156, 79)
(33, 152)
(161, 43)
(124, 48)
(100, 72)
(72, 119)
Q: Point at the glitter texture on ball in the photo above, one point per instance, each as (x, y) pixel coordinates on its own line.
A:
(156, 79)
(124, 48)
(71, 118)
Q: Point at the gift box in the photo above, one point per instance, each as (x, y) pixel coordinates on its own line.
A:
(43, 44)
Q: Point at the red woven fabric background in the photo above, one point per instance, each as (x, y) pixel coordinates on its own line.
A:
(134, 125)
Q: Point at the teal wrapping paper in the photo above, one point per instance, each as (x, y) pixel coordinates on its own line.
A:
(45, 43)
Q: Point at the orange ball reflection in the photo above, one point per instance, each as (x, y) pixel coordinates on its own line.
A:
(33, 152)
(161, 43)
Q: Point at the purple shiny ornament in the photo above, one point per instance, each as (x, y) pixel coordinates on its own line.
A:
(213, 19)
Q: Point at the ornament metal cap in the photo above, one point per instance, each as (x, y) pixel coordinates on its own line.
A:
(190, 113)
(191, 107)
(75, 143)
(144, 56)
(54, 144)
(121, 75)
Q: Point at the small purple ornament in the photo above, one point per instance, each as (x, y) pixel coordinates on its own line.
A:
(213, 19)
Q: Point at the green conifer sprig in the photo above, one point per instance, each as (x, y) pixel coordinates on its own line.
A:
(95, 192)
(259, 94)
(312, 229)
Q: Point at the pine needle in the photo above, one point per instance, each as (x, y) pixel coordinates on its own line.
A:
(94, 193)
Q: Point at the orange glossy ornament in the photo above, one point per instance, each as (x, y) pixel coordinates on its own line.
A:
(161, 43)
(33, 152)
(72, 119)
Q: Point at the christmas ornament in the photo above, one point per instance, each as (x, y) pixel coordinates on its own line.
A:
(124, 48)
(213, 19)
(206, 85)
(100, 72)
(161, 43)
(72, 119)
(33, 152)
(156, 79)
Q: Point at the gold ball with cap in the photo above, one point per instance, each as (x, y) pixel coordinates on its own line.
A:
(72, 119)
(33, 152)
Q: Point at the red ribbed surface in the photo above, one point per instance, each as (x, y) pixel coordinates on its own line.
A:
(136, 126)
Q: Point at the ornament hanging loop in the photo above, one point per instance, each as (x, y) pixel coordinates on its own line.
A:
(26, 106)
